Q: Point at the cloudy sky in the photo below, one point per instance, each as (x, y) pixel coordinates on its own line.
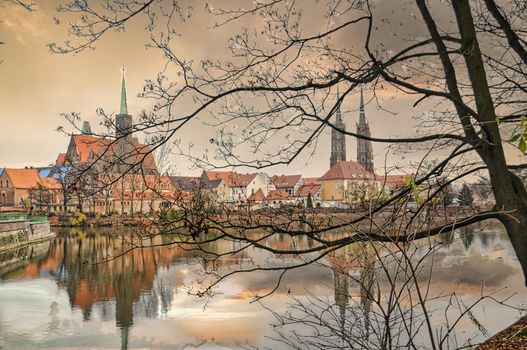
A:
(37, 86)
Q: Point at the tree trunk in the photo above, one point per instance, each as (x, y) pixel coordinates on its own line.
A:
(509, 192)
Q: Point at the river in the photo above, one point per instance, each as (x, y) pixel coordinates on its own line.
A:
(54, 296)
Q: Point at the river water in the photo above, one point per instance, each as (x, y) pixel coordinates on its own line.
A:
(53, 296)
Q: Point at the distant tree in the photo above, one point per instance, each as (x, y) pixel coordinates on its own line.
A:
(447, 196)
(465, 196)
(309, 203)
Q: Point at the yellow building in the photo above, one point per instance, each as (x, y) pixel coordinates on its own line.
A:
(347, 182)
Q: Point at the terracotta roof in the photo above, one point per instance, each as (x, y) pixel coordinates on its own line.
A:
(226, 176)
(393, 180)
(23, 178)
(231, 178)
(277, 195)
(243, 180)
(347, 171)
(258, 196)
(51, 183)
(185, 182)
(212, 184)
(285, 181)
(310, 180)
(305, 190)
(61, 159)
(89, 147)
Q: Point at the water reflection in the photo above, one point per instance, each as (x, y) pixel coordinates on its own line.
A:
(140, 299)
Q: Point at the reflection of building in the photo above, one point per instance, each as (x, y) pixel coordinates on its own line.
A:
(359, 261)
(341, 290)
(123, 288)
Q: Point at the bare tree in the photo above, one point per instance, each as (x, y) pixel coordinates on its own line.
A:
(278, 86)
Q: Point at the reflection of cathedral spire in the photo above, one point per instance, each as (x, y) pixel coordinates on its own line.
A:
(124, 337)
(341, 289)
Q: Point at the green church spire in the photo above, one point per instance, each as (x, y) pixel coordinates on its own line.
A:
(124, 107)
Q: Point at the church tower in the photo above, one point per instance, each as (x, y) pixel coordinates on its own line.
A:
(123, 132)
(338, 139)
(123, 120)
(364, 149)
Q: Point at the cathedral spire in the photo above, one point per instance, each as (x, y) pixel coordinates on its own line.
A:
(339, 115)
(364, 147)
(338, 140)
(362, 115)
(124, 107)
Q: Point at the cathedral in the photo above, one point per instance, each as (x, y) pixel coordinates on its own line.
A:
(120, 154)
(338, 140)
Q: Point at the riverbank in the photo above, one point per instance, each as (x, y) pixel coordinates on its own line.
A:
(292, 217)
(21, 232)
(512, 337)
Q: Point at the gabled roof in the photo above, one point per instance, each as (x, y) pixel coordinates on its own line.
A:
(89, 147)
(28, 178)
(50, 183)
(347, 170)
(213, 184)
(226, 176)
(23, 178)
(285, 181)
(258, 196)
(393, 180)
(61, 159)
(242, 180)
(309, 180)
(185, 182)
(305, 190)
(231, 178)
(277, 195)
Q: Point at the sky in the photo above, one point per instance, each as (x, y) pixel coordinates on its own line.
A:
(37, 86)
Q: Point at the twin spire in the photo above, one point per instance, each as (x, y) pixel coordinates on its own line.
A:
(124, 106)
(362, 115)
